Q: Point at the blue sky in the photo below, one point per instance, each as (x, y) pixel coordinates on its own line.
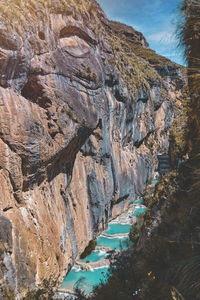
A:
(156, 19)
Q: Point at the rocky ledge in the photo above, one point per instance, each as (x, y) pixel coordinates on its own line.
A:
(85, 107)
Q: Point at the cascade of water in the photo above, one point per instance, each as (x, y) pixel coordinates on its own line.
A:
(92, 269)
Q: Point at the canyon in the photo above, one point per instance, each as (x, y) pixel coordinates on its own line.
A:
(85, 108)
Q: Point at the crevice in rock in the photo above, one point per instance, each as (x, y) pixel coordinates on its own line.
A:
(41, 35)
(157, 106)
(119, 97)
(73, 30)
(119, 200)
(25, 91)
(7, 208)
(7, 143)
(115, 183)
(15, 189)
(34, 91)
(137, 144)
(144, 99)
(70, 227)
(64, 159)
(111, 80)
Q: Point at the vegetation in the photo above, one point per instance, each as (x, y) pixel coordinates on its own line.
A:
(163, 263)
(24, 13)
(7, 294)
(189, 32)
(134, 70)
(179, 132)
(69, 112)
(34, 295)
(138, 66)
(88, 75)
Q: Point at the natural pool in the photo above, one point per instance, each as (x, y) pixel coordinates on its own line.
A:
(86, 279)
(114, 243)
(140, 201)
(154, 181)
(116, 228)
(139, 211)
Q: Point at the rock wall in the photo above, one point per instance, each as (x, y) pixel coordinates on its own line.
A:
(85, 107)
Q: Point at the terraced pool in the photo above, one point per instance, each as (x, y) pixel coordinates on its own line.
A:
(154, 181)
(85, 280)
(139, 211)
(115, 228)
(114, 243)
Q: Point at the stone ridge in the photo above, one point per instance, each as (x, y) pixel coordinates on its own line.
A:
(84, 111)
(133, 35)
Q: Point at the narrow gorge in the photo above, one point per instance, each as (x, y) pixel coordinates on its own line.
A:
(86, 107)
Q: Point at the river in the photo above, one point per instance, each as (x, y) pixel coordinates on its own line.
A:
(90, 271)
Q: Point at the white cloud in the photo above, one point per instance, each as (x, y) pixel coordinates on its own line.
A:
(164, 37)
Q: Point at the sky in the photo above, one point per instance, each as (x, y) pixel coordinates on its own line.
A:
(156, 19)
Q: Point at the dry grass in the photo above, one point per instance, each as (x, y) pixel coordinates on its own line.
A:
(135, 70)
(189, 33)
(20, 14)
(179, 133)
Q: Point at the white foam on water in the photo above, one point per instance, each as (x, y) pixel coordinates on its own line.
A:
(101, 252)
(114, 236)
(120, 223)
(101, 267)
(76, 269)
(139, 206)
(127, 223)
(124, 220)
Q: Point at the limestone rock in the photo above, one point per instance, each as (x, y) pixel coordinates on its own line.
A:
(85, 107)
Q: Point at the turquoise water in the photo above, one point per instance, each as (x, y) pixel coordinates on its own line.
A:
(95, 256)
(113, 243)
(139, 211)
(140, 201)
(154, 181)
(115, 228)
(87, 279)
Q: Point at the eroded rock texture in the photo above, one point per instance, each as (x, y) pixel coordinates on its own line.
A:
(85, 107)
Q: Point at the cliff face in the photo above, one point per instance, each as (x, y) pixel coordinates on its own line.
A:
(85, 107)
